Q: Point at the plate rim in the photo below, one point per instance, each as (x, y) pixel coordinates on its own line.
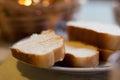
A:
(68, 69)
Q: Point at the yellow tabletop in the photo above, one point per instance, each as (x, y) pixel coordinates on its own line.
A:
(9, 70)
(12, 69)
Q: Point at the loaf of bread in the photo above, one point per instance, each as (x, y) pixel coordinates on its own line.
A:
(101, 35)
(41, 50)
(80, 55)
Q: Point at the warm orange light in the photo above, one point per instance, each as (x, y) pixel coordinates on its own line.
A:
(36, 1)
(46, 3)
(25, 2)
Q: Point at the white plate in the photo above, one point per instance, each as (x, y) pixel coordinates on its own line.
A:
(100, 68)
(103, 67)
(97, 69)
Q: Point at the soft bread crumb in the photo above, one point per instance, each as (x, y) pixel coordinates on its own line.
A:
(80, 52)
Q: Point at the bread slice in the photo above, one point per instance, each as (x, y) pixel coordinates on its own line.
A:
(41, 50)
(80, 55)
(101, 35)
(73, 46)
(104, 54)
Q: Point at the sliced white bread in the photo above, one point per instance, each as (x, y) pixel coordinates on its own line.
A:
(104, 54)
(103, 36)
(80, 55)
(76, 52)
(41, 50)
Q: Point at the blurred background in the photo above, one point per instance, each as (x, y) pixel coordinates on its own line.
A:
(21, 18)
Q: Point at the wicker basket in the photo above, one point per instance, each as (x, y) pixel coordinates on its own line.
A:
(19, 21)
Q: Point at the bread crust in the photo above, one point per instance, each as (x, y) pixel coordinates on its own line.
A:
(46, 60)
(100, 40)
